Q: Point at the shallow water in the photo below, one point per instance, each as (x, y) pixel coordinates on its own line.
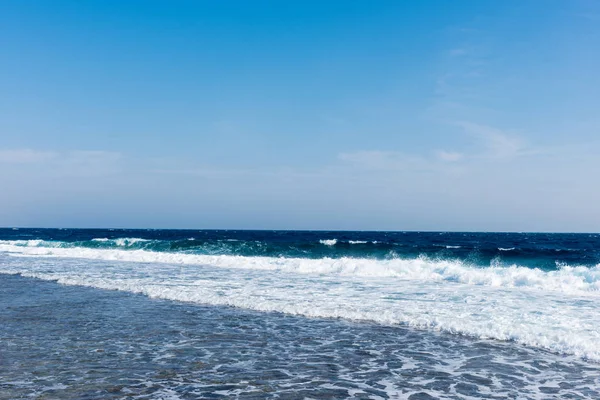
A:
(71, 342)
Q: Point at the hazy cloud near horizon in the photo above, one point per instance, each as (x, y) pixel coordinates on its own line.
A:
(378, 190)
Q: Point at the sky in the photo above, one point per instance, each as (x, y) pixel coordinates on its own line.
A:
(351, 115)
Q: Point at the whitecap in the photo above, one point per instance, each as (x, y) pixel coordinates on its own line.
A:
(328, 242)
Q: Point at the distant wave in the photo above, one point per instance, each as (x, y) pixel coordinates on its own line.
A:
(123, 242)
(328, 242)
(333, 242)
(119, 242)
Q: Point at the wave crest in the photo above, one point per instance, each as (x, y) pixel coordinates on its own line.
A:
(328, 242)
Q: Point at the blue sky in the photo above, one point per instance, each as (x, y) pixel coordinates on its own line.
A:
(429, 115)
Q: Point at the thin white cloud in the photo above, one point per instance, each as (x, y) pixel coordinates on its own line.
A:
(74, 162)
(449, 156)
(490, 144)
(87, 157)
(397, 162)
(497, 143)
(383, 160)
(26, 156)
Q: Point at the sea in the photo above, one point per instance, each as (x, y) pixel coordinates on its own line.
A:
(226, 314)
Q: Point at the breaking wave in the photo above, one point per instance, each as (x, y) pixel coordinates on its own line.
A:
(328, 242)
(552, 309)
(568, 279)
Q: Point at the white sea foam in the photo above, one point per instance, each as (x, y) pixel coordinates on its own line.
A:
(506, 249)
(567, 279)
(557, 310)
(328, 242)
(357, 241)
(560, 322)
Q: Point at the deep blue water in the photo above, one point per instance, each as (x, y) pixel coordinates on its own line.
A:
(541, 250)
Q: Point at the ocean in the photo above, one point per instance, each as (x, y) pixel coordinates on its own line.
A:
(189, 314)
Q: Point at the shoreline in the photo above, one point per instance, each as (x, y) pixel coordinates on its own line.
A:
(69, 341)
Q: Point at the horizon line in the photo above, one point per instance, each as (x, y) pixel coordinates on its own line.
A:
(299, 230)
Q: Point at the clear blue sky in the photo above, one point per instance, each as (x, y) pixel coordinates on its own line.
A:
(402, 115)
